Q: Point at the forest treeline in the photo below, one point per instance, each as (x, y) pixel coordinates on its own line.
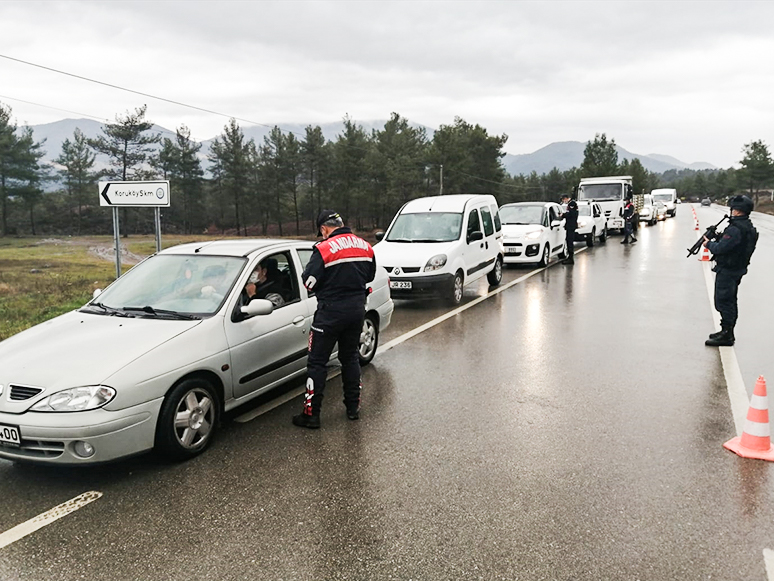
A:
(277, 186)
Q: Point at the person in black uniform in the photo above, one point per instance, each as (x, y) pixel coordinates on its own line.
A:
(628, 216)
(570, 216)
(731, 253)
(341, 266)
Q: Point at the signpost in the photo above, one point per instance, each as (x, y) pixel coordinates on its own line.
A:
(151, 194)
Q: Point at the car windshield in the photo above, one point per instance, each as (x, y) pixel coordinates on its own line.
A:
(600, 192)
(426, 227)
(170, 286)
(521, 214)
(584, 210)
(662, 197)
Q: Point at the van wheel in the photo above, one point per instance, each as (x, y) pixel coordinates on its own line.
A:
(590, 237)
(369, 339)
(546, 256)
(188, 420)
(496, 274)
(456, 289)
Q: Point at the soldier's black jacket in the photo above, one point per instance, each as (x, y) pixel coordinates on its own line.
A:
(340, 268)
(732, 251)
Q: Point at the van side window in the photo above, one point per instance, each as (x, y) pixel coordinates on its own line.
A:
(486, 218)
(473, 223)
(496, 214)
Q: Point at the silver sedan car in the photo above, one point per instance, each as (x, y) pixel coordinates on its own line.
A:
(162, 353)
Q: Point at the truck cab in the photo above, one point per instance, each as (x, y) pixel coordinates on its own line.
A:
(610, 193)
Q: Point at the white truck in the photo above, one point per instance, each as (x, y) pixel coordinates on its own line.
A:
(610, 193)
(667, 196)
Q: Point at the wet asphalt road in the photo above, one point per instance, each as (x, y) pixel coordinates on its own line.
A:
(567, 428)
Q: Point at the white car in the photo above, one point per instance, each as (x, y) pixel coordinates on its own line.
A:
(439, 244)
(532, 232)
(648, 212)
(158, 357)
(592, 223)
(661, 211)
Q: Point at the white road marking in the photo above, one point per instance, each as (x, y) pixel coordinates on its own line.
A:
(32, 525)
(251, 415)
(737, 392)
(768, 559)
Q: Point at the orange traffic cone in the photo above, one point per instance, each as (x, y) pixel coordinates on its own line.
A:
(697, 225)
(755, 441)
(705, 254)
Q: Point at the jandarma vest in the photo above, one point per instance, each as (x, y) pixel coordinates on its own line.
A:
(739, 256)
(349, 266)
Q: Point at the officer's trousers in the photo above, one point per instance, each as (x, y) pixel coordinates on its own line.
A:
(726, 291)
(342, 323)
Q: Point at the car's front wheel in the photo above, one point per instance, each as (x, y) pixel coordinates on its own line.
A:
(495, 276)
(590, 237)
(546, 256)
(455, 297)
(603, 236)
(188, 419)
(369, 339)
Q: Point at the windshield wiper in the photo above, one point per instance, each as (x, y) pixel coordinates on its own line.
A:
(113, 312)
(162, 313)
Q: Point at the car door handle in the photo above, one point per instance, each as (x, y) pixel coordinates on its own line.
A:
(298, 321)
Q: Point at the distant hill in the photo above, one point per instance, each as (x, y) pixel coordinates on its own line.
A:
(565, 155)
(561, 155)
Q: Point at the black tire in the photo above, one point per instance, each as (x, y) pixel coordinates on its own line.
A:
(456, 290)
(546, 257)
(369, 340)
(603, 236)
(590, 237)
(194, 402)
(495, 276)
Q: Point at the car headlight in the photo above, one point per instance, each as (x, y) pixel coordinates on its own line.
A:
(582, 223)
(534, 235)
(436, 262)
(76, 399)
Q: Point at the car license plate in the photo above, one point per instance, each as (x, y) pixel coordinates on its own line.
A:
(9, 435)
(400, 284)
(512, 250)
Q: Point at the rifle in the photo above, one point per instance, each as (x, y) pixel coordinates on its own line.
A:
(711, 234)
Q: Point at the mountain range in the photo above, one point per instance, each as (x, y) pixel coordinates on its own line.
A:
(562, 155)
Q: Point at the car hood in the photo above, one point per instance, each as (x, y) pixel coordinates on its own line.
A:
(80, 349)
(519, 230)
(409, 254)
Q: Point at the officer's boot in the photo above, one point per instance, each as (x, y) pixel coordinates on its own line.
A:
(724, 339)
(306, 421)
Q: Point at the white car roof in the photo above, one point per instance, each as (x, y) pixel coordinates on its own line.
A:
(449, 203)
(542, 204)
(236, 247)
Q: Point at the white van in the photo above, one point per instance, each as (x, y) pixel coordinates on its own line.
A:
(668, 197)
(437, 245)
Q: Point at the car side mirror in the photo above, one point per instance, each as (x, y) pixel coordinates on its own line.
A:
(256, 307)
(475, 236)
(556, 224)
(379, 236)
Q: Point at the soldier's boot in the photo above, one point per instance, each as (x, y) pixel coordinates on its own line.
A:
(303, 420)
(715, 335)
(724, 339)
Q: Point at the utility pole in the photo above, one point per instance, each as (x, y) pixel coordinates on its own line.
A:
(442, 179)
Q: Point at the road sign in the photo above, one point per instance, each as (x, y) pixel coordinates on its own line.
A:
(134, 194)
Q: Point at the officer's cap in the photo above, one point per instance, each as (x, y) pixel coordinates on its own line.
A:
(324, 217)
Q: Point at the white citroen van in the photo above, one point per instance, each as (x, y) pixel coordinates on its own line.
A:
(437, 245)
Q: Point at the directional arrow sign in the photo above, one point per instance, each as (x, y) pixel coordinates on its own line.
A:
(136, 194)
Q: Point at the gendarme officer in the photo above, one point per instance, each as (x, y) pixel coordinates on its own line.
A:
(338, 272)
(570, 216)
(731, 253)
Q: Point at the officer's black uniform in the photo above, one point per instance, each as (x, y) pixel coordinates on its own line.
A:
(628, 216)
(731, 253)
(338, 272)
(570, 226)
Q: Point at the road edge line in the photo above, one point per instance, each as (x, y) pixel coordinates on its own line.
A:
(28, 527)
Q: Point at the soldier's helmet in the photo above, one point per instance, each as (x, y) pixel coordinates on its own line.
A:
(741, 203)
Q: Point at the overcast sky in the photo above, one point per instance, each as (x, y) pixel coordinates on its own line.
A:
(690, 79)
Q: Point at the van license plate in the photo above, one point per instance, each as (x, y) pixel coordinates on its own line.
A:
(9, 435)
(400, 284)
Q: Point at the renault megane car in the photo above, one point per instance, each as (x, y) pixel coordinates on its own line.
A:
(162, 353)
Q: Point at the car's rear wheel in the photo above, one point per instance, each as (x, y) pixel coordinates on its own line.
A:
(590, 237)
(546, 256)
(188, 419)
(455, 297)
(495, 276)
(369, 339)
